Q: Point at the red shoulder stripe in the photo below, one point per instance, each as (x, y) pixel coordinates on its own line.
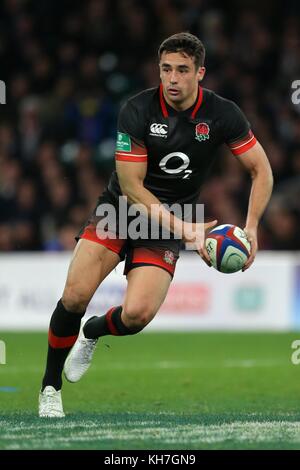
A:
(131, 158)
(241, 148)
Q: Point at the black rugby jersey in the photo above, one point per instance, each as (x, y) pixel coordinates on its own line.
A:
(179, 147)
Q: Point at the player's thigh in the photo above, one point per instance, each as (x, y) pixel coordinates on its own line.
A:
(146, 291)
(90, 264)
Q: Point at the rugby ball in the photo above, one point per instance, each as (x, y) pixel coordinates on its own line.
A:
(228, 248)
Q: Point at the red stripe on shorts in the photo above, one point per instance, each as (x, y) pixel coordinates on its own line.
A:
(144, 256)
(113, 244)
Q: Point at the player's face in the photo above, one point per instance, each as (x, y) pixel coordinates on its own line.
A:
(179, 78)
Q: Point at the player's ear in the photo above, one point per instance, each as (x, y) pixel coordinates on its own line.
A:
(201, 73)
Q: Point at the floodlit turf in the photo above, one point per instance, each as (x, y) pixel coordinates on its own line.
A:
(159, 391)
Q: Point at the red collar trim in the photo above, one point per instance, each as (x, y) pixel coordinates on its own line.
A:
(163, 103)
(199, 102)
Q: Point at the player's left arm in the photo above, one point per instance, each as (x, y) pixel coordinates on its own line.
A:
(257, 164)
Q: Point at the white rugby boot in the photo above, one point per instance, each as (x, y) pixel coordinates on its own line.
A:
(80, 356)
(50, 403)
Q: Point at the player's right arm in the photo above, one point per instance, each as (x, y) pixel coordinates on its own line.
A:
(131, 166)
(131, 179)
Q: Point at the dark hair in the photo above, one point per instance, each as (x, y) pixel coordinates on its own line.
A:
(187, 43)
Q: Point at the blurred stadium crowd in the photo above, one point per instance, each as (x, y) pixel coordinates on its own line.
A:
(68, 66)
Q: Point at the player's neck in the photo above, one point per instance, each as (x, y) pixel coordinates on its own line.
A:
(184, 105)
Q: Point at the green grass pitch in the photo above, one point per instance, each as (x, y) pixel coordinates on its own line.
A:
(159, 391)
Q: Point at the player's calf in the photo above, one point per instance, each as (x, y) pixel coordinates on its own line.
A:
(62, 335)
(112, 323)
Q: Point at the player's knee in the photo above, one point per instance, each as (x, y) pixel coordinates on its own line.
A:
(138, 316)
(74, 299)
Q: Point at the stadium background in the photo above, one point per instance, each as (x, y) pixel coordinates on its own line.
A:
(68, 66)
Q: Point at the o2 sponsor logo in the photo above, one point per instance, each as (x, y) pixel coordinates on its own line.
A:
(181, 169)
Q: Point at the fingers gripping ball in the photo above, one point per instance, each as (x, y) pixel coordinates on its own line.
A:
(228, 248)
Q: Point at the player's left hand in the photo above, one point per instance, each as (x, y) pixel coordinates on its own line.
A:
(251, 233)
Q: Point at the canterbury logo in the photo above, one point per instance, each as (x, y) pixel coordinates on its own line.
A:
(159, 129)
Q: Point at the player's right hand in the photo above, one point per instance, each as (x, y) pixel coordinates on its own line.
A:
(194, 237)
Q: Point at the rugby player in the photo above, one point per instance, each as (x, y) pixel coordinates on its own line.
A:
(166, 144)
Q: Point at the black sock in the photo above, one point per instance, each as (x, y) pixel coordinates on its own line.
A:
(109, 324)
(63, 332)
